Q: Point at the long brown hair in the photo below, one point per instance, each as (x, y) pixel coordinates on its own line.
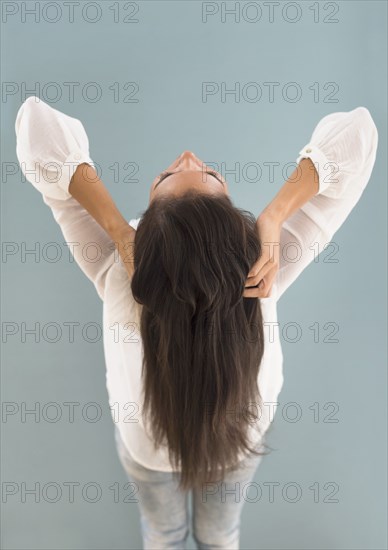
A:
(203, 341)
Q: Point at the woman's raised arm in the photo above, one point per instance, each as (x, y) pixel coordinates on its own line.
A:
(307, 212)
(53, 152)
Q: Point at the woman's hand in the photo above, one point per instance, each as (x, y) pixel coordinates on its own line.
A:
(265, 269)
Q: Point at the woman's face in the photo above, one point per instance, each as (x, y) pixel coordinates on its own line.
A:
(186, 173)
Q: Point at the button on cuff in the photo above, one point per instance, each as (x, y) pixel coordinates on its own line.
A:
(322, 165)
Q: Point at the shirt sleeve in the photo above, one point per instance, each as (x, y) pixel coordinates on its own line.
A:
(343, 149)
(49, 147)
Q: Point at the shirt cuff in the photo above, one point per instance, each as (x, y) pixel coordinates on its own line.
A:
(72, 161)
(326, 169)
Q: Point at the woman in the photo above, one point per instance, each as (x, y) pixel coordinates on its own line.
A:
(189, 295)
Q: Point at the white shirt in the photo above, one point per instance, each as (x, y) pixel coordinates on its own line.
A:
(50, 145)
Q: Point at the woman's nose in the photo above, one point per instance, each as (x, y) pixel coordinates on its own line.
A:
(189, 160)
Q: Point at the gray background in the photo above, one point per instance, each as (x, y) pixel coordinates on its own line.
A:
(169, 52)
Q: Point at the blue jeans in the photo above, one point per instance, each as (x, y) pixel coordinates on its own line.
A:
(164, 514)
